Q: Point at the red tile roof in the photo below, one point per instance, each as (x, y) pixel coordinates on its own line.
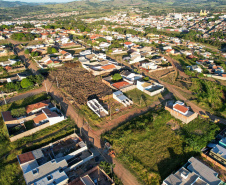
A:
(63, 52)
(7, 116)
(121, 84)
(39, 118)
(128, 43)
(38, 105)
(107, 67)
(49, 62)
(181, 108)
(8, 68)
(23, 158)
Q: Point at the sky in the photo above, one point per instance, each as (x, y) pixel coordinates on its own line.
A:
(43, 1)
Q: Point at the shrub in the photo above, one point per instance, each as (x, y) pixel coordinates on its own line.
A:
(146, 78)
(116, 77)
(25, 83)
(18, 112)
(26, 51)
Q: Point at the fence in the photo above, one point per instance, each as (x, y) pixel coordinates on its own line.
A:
(128, 88)
(154, 92)
(213, 161)
(29, 132)
(185, 119)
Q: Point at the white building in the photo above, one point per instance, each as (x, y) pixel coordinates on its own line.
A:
(120, 97)
(97, 108)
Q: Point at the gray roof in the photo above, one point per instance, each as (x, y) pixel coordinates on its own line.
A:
(219, 150)
(44, 170)
(125, 73)
(37, 153)
(207, 174)
(117, 93)
(172, 179)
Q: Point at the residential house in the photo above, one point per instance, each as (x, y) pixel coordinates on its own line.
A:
(36, 107)
(218, 153)
(149, 65)
(65, 56)
(128, 44)
(151, 88)
(180, 111)
(195, 68)
(194, 172)
(94, 176)
(50, 164)
(130, 77)
(136, 57)
(86, 52)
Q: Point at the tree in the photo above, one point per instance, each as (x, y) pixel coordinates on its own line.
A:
(116, 77)
(25, 83)
(26, 51)
(146, 78)
(54, 50)
(18, 112)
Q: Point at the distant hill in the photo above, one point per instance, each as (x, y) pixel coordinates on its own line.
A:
(9, 4)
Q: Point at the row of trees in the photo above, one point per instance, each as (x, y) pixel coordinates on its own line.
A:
(24, 36)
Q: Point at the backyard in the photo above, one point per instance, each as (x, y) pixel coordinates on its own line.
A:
(151, 150)
(142, 99)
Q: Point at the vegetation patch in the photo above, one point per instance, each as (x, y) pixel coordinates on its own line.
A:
(151, 150)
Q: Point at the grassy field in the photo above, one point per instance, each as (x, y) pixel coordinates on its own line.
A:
(142, 99)
(151, 150)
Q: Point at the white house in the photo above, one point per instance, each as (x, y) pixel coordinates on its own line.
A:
(136, 57)
(50, 116)
(196, 68)
(149, 65)
(86, 52)
(104, 45)
(128, 44)
(151, 88)
(132, 77)
(120, 97)
(8, 63)
(180, 107)
(167, 47)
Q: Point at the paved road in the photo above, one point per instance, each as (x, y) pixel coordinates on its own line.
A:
(23, 95)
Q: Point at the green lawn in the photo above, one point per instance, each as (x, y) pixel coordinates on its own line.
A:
(152, 151)
(142, 99)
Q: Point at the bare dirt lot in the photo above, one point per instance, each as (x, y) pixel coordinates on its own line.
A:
(79, 83)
